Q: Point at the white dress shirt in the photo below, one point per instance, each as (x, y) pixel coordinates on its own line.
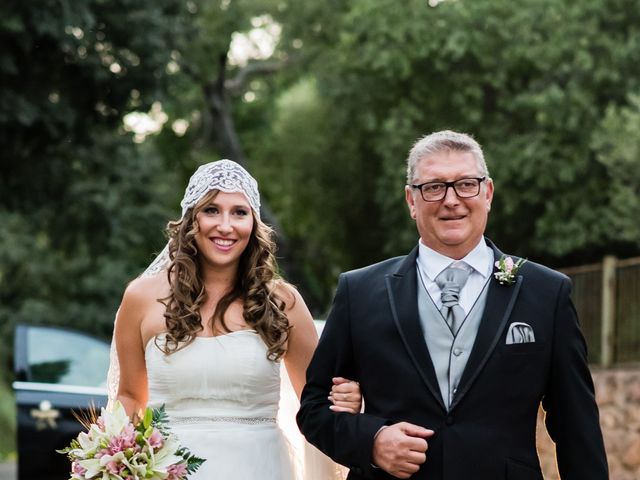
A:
(431, 263)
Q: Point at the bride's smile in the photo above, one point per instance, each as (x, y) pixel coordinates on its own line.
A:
(225, 224)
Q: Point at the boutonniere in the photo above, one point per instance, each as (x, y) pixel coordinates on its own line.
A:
(508, 269)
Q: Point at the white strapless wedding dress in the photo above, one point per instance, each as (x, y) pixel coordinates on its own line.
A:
(221, 395)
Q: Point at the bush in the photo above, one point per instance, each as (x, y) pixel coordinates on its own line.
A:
(7, 421)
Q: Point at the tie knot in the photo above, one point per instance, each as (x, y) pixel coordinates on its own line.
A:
(451, 280)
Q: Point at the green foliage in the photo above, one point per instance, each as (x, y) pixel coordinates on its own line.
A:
(303, 192)
(549, 87)
(531, 80)
(69, 265)
(159, 418)
(543, 84)
(77, 198)
(82, 207)
(69, 65)
(7, 420)
(617, 147)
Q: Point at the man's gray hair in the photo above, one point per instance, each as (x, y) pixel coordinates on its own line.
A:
(443, 141)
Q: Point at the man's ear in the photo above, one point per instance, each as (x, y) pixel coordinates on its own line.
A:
(489, 193)
(408, 194)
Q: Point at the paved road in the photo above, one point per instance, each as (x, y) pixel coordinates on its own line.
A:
(8, 471)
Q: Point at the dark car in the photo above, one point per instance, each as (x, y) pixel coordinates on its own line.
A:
(58, 372)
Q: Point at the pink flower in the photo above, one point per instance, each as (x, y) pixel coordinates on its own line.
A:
(127, 439)
(508, 263)
(155, 440)
(78, 469)
(115, 467)
(507, 266)
(129, 436)
(115, 446)
(177, 471)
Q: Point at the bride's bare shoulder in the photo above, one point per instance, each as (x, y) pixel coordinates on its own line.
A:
(286, 292)
(294, 304)
(147, 289)
(140, 309)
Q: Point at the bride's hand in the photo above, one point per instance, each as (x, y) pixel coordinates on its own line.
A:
(345, 396)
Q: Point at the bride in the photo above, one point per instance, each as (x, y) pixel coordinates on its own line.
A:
(204, 329)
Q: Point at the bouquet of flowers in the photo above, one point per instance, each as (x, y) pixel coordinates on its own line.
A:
(115, 448)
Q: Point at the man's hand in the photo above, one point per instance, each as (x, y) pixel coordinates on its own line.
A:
(401, 448)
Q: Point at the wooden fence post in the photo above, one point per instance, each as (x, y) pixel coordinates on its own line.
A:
(608, 310)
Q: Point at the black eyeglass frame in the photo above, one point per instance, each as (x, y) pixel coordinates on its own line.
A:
(448, 185)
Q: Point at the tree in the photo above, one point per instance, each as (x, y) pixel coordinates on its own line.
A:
(229, 70)
(70, 178)
(532, 81)
(617, 148)
(66, 67)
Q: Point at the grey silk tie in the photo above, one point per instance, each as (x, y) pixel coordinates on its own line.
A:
(451, 280)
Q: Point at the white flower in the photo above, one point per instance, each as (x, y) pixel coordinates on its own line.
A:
(114, 421)
(93, 467)
(165, 457)
(139, 465)
(88, 444)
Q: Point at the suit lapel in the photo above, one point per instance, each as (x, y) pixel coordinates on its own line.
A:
(403, 297)
(500, 302)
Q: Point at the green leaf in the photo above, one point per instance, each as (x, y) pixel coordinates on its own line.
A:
(148, 417)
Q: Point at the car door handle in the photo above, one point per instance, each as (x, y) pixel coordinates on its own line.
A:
(45, 415)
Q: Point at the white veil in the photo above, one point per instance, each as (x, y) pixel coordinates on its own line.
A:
(229, 177)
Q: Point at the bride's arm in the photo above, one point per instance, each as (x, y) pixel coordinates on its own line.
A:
(303, 338)
(132, 388)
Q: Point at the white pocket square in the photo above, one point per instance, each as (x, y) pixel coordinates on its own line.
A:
(520, 332)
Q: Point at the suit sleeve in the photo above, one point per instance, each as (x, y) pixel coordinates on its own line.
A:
(346, 438)
(572, 418)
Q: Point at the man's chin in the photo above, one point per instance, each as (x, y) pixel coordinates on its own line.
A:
(455, 237)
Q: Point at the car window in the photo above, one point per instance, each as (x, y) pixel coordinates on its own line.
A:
(67, 358)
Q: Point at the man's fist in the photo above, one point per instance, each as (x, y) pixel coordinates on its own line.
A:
(401, 448)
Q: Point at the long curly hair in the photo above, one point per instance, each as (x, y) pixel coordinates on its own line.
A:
(256, 285)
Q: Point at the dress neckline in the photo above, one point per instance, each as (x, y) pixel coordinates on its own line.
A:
(202, 337)
(252, 330)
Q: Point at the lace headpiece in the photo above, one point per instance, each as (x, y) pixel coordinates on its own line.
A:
(226, 176)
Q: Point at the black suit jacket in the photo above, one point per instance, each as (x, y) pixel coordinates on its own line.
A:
(373, 335)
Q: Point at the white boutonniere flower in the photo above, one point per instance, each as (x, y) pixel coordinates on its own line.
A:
(507, 269)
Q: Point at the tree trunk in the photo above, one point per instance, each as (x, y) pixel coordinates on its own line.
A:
(229, 146)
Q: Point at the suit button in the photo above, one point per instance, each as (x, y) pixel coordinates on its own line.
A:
(449, 420)
(357, 470)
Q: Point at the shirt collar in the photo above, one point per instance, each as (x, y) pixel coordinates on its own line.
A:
(432, 262)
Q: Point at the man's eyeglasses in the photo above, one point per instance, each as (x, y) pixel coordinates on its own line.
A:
(436, 191)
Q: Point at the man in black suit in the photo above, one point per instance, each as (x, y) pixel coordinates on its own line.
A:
(455, 346)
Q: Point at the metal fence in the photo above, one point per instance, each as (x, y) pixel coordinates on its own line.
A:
(607, 298)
